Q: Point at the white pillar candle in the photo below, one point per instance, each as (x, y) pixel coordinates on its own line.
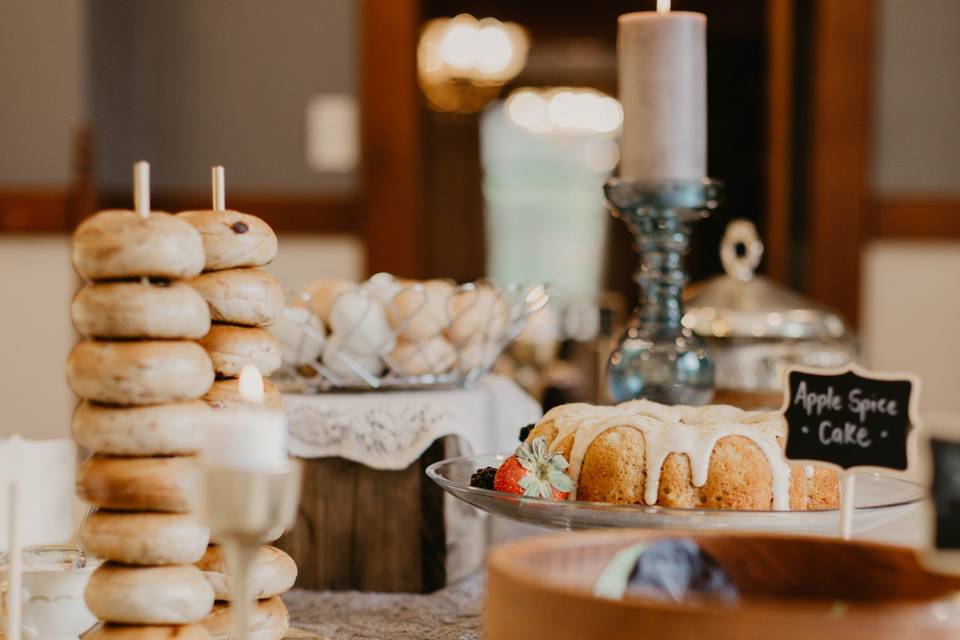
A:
(662, 62)
(247, 440)
(253, 439)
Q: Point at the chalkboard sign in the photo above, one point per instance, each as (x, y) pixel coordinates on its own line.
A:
(849, 418)
(946, 492)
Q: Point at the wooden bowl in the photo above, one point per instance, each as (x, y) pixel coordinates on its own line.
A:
(790, 587)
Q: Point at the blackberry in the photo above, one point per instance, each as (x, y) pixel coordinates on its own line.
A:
(525, 431)
(483, 478)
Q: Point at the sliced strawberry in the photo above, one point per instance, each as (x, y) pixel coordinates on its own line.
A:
(508, 475)
(532, 471)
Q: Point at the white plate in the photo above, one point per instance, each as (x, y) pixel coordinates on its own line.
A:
(880, 499)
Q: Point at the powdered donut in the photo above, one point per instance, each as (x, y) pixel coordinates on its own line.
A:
(272, 574)
(154, 430)
(173, 594)
(231, 348)
(140, 372)
(138, 484)
(478, 312)
(233, 239)
(144, 538)
(248, 297)
(138, 310)
(269, 620)
(107, 631)
(420, 312)
(225, 394)
(323, 293)
(359, 322)
(118, 243)
(301, 335)
(436, 355)
(345, 363)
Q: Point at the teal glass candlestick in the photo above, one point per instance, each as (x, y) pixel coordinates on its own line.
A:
(657, 358)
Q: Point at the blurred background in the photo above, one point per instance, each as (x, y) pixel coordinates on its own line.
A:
(403, 136)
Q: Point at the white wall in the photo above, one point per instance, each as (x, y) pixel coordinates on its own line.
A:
(911, 319)
(43, 61)
(917, 112)
(43, 100)
(35, 335)
(911, 290)
(190, 84)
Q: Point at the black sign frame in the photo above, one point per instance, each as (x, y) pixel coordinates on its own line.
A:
(913, 429)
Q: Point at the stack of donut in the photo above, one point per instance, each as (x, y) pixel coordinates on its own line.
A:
(242, 300)
(140, 376)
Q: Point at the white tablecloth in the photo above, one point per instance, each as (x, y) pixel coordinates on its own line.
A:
(389, 430)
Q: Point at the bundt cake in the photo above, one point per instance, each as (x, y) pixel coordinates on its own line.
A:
(718, 456)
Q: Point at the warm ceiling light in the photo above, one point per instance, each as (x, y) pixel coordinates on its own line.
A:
(565, 109)
(462, 62)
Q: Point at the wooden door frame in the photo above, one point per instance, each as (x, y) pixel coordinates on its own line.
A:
(393, 216)
(840, 147)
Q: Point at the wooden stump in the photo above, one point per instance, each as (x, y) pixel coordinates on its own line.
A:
(369, 530)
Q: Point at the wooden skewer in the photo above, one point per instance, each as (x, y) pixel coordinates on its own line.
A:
(219, 196)
(141, 188)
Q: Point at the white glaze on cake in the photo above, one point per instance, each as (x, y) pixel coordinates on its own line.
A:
(692, 431)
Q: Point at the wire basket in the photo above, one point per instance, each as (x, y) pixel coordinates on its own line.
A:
(391, 334)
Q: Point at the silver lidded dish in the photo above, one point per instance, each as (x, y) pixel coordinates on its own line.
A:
(755, 328)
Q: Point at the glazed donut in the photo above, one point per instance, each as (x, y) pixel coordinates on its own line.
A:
(269, 620)
(107, 631)
(138, 310)
(171, 594)
(139, 372)
(231, 347)
(144, 538)
(477, 313)
(273, 572)
(233, 239)
(117, 244)
(155, 430)
(225, 394)
(138, 484)
(418, 358)
(420, 312)
(248, 297)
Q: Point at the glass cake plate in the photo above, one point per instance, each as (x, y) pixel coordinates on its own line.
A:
(880, 499)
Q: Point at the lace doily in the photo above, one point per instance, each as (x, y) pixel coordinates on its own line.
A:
(390, 430)
(453, 613)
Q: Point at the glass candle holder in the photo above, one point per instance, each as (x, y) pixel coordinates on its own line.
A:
(657, 358)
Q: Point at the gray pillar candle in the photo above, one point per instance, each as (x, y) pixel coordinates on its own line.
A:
(662, 60)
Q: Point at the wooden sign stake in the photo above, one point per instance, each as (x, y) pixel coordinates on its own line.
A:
(850, 418)
(847, 487)
(219, 196)
(141, 188)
